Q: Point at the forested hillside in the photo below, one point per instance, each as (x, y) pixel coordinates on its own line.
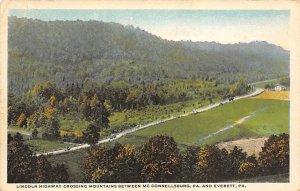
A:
(93, 52)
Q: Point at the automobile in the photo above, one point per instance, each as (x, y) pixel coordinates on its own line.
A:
(112, 136)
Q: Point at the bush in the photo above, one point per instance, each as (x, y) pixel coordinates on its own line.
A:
(160, 160)
(274, 157)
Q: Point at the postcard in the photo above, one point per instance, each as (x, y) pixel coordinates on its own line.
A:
(150, 95)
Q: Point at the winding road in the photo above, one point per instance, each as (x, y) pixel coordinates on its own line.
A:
(136, 128)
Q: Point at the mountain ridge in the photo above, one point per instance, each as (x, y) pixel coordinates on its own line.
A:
(108, 52)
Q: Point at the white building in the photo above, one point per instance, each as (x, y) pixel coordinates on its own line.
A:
(279, 87)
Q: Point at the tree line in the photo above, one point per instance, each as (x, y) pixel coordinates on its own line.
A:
(41, 107)
(158, 160)
(25, 167)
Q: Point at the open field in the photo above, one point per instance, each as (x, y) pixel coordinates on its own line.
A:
(42, 146)
(266, 117)
(279, 95)
(250, 145)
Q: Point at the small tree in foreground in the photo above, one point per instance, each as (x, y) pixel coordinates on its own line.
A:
(274, 157)
(160, 160)
(116, 164)
(91, 135)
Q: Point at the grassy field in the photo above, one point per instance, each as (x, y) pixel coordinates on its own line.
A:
(151, 113)
(267, 117)
(72, 124)
(73, 161)
(119, 121)
(41, 146)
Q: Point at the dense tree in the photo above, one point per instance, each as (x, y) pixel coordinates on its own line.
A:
(20, 161)
(212, 164)
(91, 135)
(241, 87)
(248, 169)
(52, 125)
(274, 157)
(60, 173)
(99, 113)
(42, 174)
(189, 164)
(37, 120)
(34, 134)
(18, 105)
(51, 130)
(141, 57)
(116, 164)
(125, 165)
(160, 160)
(22, 121)
(24, 167)
(236, 156)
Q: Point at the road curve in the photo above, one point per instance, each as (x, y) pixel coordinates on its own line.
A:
(139, 127)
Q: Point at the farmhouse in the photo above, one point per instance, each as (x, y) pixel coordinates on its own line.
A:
(279, 87)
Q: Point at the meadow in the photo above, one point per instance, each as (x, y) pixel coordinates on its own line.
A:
(119, 121)
(266, 117)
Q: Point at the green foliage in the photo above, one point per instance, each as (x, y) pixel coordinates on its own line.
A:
(20, 161)
(60, 173)
(42, 173)
(24, 167)
(17, 106)
(51, 130)
(189, 165)
(99, 113)
(34, 134)
(116, 164)
(22, 120)
(212, 164)
(160, 160)
(274, 157)
(285, 81)
(236, 156)
(271, 117)
(122, 163)
(248, 169)
(109, 52)
(91, 135)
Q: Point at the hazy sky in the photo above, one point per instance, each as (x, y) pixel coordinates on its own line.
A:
(196, 25)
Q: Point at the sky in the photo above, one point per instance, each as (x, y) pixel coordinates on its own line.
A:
(223, 26)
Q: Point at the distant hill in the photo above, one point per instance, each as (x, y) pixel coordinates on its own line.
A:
(98, 52)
